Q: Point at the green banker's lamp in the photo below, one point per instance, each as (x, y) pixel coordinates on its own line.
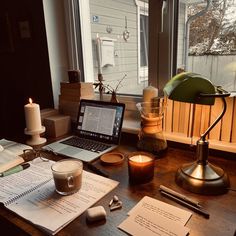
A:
(199, 176)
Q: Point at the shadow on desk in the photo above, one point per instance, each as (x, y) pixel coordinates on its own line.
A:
(8, 229)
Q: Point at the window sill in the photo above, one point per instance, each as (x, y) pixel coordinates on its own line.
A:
(132, 126)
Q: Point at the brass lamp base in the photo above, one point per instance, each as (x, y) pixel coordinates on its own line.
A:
(201, 176)
(203, 179)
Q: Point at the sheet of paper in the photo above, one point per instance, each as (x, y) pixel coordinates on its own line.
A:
(14, 147)
(13, 185)
(44, 204)
(148, 223)
(163, 209)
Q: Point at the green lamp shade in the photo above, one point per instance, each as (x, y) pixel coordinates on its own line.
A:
(187, 87)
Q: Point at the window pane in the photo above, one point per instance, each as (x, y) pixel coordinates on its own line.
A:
(143, 40)
(123, 48)
(210, 46)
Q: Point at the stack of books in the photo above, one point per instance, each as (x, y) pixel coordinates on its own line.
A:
(71, 94)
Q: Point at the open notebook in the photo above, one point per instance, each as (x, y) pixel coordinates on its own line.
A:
(31, 194)
(98, 131)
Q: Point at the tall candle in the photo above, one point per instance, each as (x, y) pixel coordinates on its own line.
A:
(141, 167)
(149, 93)
(32, 116)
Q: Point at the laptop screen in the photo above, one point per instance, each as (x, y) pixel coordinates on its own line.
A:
(100, 121)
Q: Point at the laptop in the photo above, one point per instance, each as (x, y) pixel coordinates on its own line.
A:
(98, 131)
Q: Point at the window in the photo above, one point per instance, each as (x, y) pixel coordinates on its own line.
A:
(138, 57)
(207, 40)
(110, 19)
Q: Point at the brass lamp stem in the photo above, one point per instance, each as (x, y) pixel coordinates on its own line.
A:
(203, 136)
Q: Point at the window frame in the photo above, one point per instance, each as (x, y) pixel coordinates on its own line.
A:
(158, 73)
(142, 9)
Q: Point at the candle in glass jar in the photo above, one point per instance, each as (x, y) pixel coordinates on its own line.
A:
(141, 167)
(32, 116)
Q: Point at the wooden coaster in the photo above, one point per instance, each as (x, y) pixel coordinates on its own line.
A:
(112, 158)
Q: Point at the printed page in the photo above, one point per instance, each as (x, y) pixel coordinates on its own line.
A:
(13, 185)
(40, 206)
(163, 209)
(145, 222)
(14, 147)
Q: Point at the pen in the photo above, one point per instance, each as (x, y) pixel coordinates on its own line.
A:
(182, 202)
(97, 170)
(15, 169)
(179, 195)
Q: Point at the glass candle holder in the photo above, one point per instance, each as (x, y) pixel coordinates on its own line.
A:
(141, 167)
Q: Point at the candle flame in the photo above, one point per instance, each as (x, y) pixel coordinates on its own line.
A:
(30, 100)
(140, 158)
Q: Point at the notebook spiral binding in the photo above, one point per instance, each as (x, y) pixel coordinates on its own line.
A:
(12, 200)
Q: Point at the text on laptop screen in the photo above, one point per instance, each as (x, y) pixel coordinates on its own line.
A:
(100, 121)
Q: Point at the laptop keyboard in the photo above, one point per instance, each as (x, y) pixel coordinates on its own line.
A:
(86, 144)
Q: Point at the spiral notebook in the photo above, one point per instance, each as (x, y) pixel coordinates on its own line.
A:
(31, 194)
(19, 184)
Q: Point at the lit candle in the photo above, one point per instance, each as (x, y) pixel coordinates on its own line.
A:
(141, 167)
(32, 116)
(149, 93)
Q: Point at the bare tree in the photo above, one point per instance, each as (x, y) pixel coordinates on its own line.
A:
(214, 30)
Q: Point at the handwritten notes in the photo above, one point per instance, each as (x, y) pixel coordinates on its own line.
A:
(153, 217)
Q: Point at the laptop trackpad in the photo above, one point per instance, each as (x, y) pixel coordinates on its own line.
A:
(70, 151)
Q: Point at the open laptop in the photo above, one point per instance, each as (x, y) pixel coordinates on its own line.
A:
(98, 131)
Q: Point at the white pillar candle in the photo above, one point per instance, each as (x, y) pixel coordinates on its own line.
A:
(149, 93)
(32, 116)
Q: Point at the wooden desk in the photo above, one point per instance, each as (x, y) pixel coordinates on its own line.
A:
(222, 208)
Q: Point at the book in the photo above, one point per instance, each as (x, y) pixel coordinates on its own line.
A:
(14, 147)
(205, 119)
(77, 90)
(176, 113)
(80, 85)
(216, 109)
(9, 154)
(197, 120)
(168, 116)
(227, 120)
(233, 135)
(31, 194)
(9, 160)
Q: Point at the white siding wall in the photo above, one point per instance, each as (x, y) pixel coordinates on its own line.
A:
(112, 13)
